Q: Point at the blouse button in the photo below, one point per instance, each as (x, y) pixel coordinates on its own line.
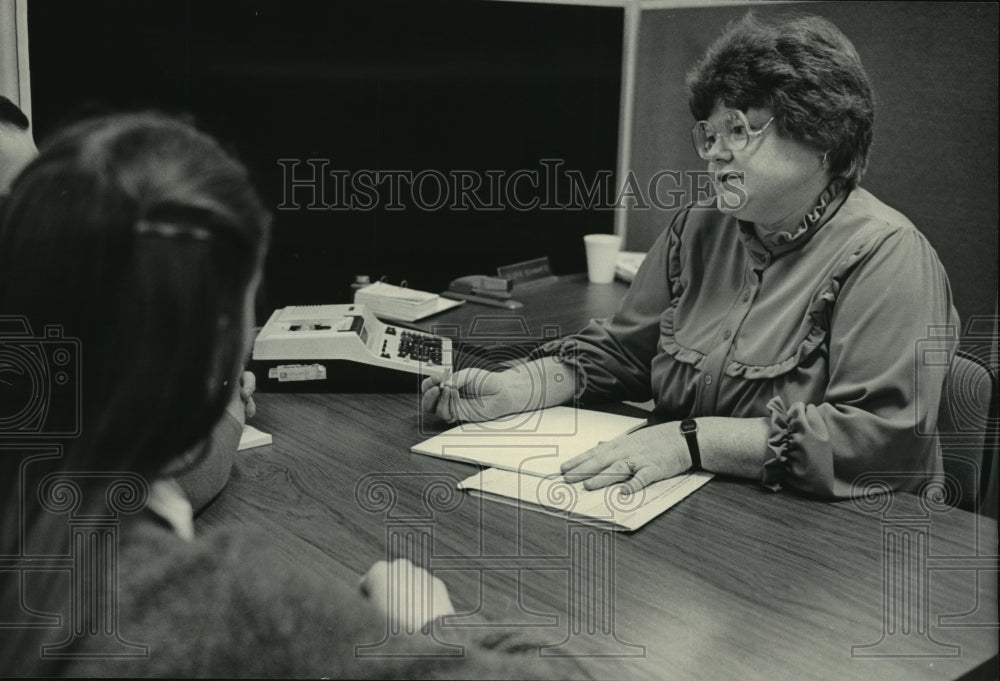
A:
(708, 379)
(746, 297)
(726, 334)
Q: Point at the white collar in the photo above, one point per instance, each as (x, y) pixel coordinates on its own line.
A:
(167, 500)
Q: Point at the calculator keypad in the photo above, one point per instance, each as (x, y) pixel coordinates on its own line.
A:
(420, 347)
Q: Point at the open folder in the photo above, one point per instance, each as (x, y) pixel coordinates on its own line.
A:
(605, 507)
(526, 451)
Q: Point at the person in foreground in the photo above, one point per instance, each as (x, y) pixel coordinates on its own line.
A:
(143, 239)
(777, 325)
(207, 472)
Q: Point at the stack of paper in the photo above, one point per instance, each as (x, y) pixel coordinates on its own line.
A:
(252, 437)
(396, 302)
(527, 450)
(627, 264)
(605, 507)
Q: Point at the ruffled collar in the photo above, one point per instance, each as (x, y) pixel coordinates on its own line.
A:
(780, 242)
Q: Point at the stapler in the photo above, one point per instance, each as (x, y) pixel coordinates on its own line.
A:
(478, 288)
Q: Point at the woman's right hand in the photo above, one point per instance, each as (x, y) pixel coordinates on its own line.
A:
(242, 407)
(410, 596)
(477, 394)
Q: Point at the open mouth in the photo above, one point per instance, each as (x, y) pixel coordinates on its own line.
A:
(730, 177)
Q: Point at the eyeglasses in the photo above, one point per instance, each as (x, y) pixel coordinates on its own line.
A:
(736, 133)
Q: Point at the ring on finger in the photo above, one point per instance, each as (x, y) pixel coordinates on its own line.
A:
(632, 468)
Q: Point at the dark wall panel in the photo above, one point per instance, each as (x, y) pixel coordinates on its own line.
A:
(378, 85)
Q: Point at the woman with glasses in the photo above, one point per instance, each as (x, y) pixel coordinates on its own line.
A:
(776, 327)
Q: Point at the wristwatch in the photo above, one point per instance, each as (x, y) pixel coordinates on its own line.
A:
(689, 429)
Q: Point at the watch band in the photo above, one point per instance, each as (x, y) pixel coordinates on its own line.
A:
(689, 428)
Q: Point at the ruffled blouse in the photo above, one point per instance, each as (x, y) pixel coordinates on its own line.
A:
(826, 333)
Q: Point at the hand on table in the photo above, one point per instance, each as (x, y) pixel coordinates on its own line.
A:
(640, 458)
(472, 395)
(242, 406)
(409, 595)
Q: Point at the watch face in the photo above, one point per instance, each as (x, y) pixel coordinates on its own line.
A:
(689, 426)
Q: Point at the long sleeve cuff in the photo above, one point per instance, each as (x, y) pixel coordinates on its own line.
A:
(566, 351)
(778, 441)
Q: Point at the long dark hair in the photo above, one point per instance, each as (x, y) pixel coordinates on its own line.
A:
(140, 237)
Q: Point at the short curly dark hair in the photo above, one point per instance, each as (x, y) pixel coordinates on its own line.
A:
(806, 72)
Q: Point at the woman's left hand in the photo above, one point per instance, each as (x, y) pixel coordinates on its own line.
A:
(640, 458)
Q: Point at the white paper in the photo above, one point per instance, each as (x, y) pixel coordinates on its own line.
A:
(252, 437)
(442, 305)
(605, 507)
(533, 442)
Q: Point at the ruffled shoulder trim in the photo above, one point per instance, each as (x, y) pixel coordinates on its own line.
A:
(674, 260)
(819, 311)
(668, 343)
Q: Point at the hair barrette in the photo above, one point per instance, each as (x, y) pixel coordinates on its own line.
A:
(170, 231)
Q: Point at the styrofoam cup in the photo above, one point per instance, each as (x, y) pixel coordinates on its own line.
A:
(602, 249)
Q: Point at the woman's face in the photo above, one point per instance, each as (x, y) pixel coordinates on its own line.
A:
(774, 181)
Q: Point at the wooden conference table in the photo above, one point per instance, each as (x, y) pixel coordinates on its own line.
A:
(733, 582)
